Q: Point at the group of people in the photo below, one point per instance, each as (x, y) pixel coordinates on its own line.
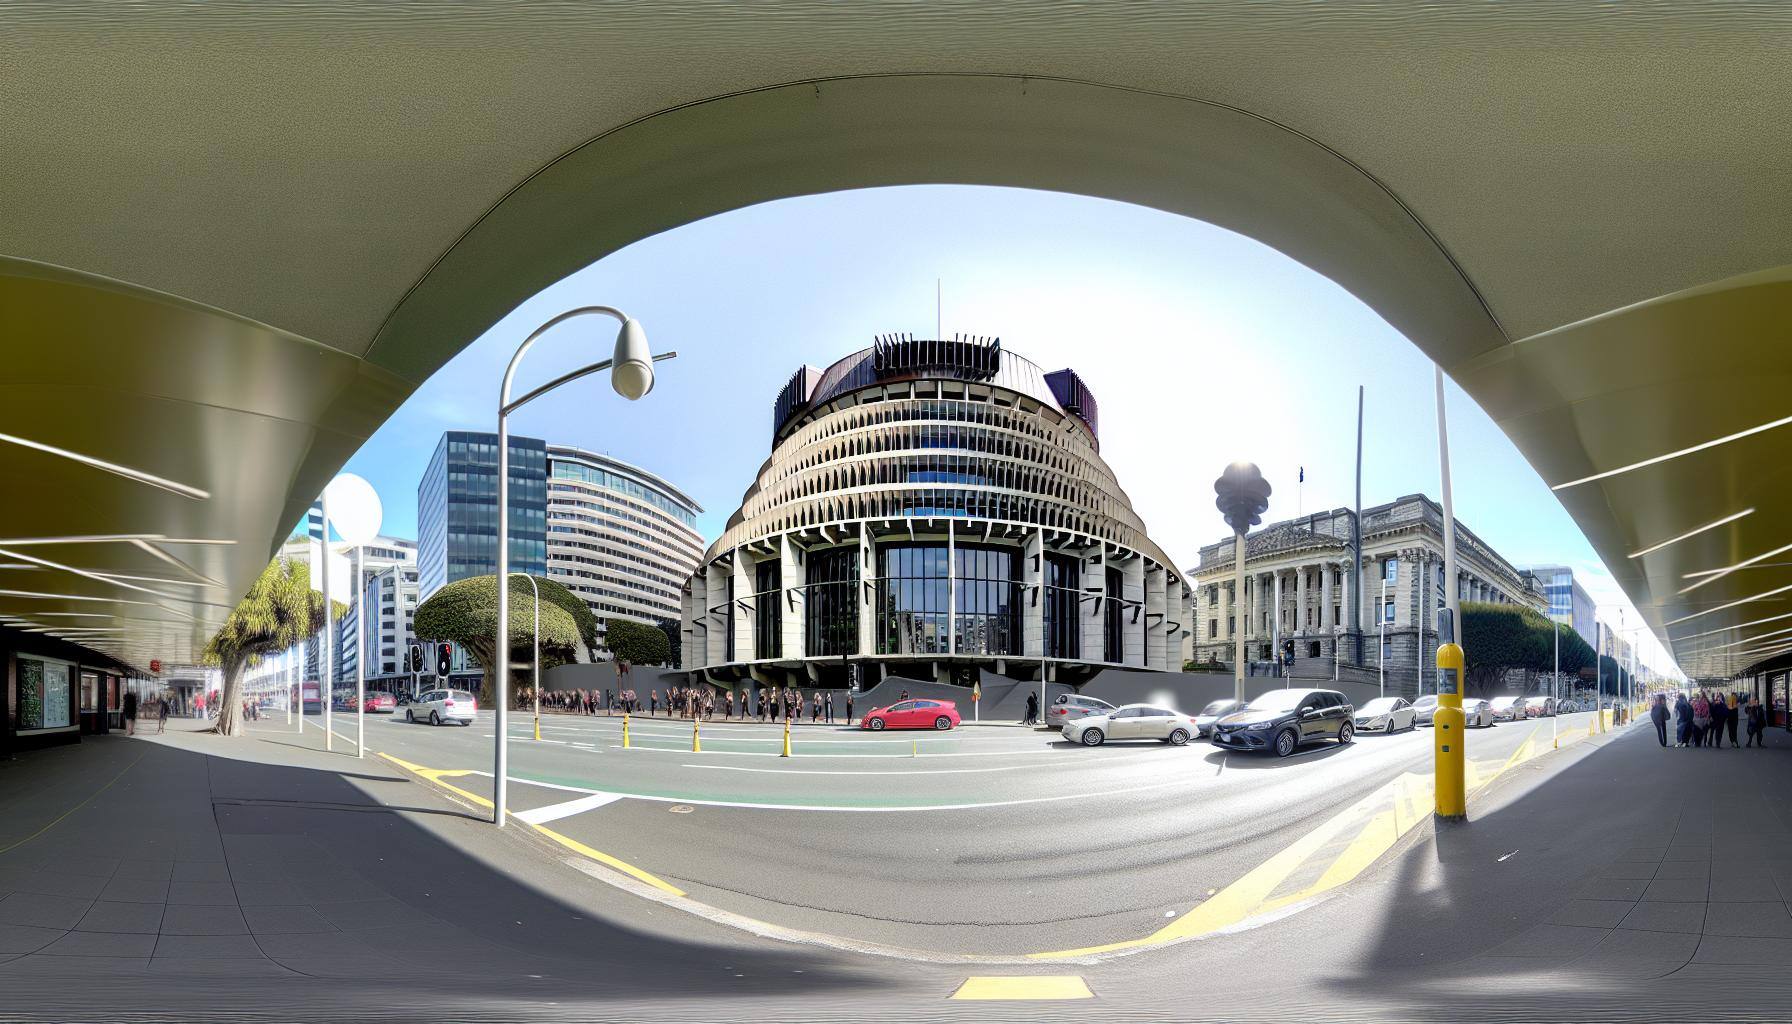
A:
(694, 702)
(1705, 719)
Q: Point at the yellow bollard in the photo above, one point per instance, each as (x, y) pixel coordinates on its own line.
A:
(538, 729)
(786, 752)
(915, 749)
(625, 730)
(1449, 736)
(696, 743)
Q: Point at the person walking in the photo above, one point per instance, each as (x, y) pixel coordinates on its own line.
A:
(161, 715)
(1658, 713)
(728, 707)
(1032, 710)
(849, 707)
(1701, 718)
(828, 704)
(1718, 713)
(1682, 720)
(1757, 723)
(130, 713)
(815, 707)
(1731, 713)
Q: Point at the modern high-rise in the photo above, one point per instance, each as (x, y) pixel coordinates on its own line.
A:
(388, 593)
(457, 509)
(623, 539)
(1569, 602)
(932, 509)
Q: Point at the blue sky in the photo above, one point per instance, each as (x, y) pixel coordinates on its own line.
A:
(1202, 346)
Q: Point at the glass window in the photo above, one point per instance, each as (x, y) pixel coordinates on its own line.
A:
(1390, 569)
(45, 693)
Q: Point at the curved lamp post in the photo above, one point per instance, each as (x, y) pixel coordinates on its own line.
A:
(1242, 497)
(631, 374)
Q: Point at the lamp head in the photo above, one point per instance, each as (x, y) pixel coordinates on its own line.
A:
(631, 370)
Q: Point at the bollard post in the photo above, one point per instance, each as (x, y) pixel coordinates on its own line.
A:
(786, 751)
(1449, 729)
(625, 730)
(696, 743)
(538, 730)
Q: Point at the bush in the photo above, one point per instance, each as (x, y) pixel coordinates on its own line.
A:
(637, 643)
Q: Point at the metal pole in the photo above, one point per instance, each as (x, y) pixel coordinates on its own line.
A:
(1356, 543)
(1238, 602)
(1555, 681)
(500, 687)
(327, 657)
(360, 656)
(1451, 598)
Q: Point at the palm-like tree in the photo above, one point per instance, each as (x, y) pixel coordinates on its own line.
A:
(279, 610)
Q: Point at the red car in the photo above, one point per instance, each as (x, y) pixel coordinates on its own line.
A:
(913, 714)
(379, 702)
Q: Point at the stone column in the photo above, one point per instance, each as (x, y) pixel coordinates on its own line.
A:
(745, 605)
(1300, 604)
(1325, 597)
(715, 579)
(866, 596)
(1032, 578)
(1156, 618)
(1092, 571)
(793, 613)
(1133, 633)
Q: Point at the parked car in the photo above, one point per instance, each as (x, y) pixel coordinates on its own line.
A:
(1213, 713)
(1477, 713)
(1540, 707)
(1424, 708)
(438, 706)
(1505, 709)
(1386, 714)
(1281, 720)
(1132, 722)
(1070, 707)
(912, 714)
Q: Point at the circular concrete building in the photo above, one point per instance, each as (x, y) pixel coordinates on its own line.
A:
(931, 508)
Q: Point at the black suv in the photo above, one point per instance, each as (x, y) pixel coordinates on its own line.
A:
(1281, 720)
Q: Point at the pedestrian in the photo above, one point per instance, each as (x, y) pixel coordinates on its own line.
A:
(1757, 723)
(130, 713)
(1731, 713)
(1701, 718)
(1718, 713)
(815, 707)
(1682, 720)
(849, 707)
(828, 704)
(904, 695)
(1032, 709)
(161, 715)
(1658, 713)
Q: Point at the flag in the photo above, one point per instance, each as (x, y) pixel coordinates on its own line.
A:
(1303, 475)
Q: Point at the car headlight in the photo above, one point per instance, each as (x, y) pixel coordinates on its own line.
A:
(1256, 726)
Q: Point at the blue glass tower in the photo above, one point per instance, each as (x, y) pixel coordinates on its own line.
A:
(457, 509)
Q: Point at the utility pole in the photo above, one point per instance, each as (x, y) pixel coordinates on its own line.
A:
(1355, 588)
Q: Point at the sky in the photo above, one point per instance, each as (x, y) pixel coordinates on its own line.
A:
(1201, 346)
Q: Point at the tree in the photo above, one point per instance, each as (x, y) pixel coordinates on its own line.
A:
(637, 642)
(1498, 638)
(279, 610)
(674, 644)
(465, 612)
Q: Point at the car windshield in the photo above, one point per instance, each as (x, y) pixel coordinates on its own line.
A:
(1278, 700)
(1378, 706)
(1219, 707)
(1500, 702)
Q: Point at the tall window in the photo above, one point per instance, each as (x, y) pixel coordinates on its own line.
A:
(832, 600)
(1390, 569)
(988, 600)
(1063, 637)
(1387, 610)
(768, 609)
(1113, 608)
(912, 595)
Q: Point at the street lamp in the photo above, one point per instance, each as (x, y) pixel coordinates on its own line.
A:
(631, 374)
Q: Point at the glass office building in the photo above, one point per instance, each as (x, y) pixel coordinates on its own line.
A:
(930, 509)
(1568, 601)
(457, 510)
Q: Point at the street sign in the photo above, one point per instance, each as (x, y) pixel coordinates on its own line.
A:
(155, 666)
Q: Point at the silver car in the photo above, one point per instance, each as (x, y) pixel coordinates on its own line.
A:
(1072, 707)
(1132, 722)
(1477, 713)
(1385, 714)
(1213, 713)
(1424, 708)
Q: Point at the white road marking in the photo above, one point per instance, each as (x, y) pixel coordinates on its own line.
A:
(834, 808)
(554, 812)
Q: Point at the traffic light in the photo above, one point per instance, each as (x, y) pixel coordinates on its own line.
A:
(413, 659)
(444, 656)
(1243, 496)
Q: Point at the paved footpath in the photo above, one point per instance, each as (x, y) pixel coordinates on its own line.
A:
(190, 877)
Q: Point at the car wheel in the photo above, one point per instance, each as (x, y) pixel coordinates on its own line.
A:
(1346, 733)
(877, 725)
(942, 723)
(1092, 737)
(434, 719)
(1285, 743)
(1178, 737)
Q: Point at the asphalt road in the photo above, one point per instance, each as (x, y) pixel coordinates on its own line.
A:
(986, 840)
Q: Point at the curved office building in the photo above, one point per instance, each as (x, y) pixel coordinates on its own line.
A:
(930, 508)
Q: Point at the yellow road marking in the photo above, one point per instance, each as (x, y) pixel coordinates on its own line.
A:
(1025, 987)
(436, 775)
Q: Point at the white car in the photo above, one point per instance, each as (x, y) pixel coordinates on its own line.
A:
(1132, 722)
(1213, 713)
(1477, 713)
(1424, 708)
(1386, 714)
(439, 706)
(1070, 707)
(1505, 709)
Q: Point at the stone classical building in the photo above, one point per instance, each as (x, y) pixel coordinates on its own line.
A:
(930, 509)
(1296, 587)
